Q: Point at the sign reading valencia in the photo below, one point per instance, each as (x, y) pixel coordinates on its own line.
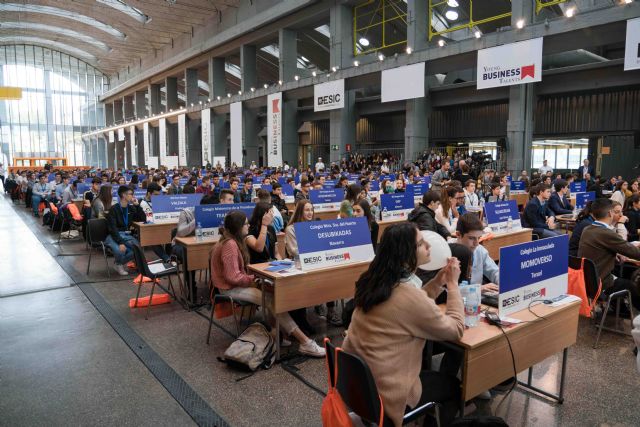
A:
(510, 64)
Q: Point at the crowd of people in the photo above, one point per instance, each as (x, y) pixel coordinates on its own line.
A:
(395, 306)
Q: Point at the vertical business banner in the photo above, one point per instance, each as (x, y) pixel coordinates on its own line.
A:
(162, 132)
(121, 134)
(182, 140)
(145, 143)
(134, 148)
(112, 136)
(274, 130)
(205, 126)
(510, 64)
(236, 133)
(632, 45)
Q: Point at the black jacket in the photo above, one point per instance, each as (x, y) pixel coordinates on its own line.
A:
(535, 214)
(279, 203)
(425, 219)
(596, 188)
(115, 220)
(559, 205)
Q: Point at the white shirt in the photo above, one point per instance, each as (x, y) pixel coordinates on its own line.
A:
(2, 170)
(384, 168)
(617, 196)
(449, 222)
(471, 199)
(286, 168)
(482, 266)
(319, 166)
(542, 170)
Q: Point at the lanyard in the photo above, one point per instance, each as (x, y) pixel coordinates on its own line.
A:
(125, 216)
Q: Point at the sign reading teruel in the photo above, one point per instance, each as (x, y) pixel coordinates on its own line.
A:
(274, 129)
(328, 96)
(510, 64)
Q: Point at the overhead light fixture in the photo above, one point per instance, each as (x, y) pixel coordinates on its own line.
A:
(192, 104)
(218, 97)
(208, 99)
(334, 68)
(296, 77)
(478, 34)
(451, 15)
(253, 89)
(364, 41)
(280, 82)
(381, 56)
(228, 95)
(171, 110)
(452, 3)
(239, 92)
(409, 50)
(356, 63)
(200, 102)
(441, 43)
(265, 86)
(313, 73)
(570, 12)
(520, 24)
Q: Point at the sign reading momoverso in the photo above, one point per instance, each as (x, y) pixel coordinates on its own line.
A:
(510, 64)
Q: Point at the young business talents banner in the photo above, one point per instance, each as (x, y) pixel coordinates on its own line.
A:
(510, 64)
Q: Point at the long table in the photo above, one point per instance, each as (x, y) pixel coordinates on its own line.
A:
(500, 240)
(487, 358)
(308, 289)
(521, 199)
(156, 233)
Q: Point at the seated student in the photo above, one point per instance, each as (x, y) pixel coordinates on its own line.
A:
(39, 191)
(424, 215)
(537, 214)
(633, 213)
(302, 213)
(175, 188)
(583, 220)
(447, 214)
(265, 197)
(278, 201)
(305, 187)
(205, 187)
(190, 186)
(469, 231)
(262, 238)
(70, 193)
(342, 182)
(60, 188)
(244, 195)
(351, 197)
(362, 209)
(601, 244)
(225, 197)
(471, 199)
(92, 193)
(558, 202)
(395, 315)
(120, 219)
(153, 189)
(619, 195)
(619, 220)
(399, 186)
(494, 194)
(101, 204)
(229, 274)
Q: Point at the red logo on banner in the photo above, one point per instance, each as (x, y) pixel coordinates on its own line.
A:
(527, 70)
(346, 256)
(543, 292)
(274, 105)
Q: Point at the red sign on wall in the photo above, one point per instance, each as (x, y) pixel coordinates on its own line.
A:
(348, 148)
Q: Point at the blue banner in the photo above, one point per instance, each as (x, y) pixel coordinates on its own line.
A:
(375, 185)
(334, 195)
(518, 186)
(287, 189)
(169, 207)
(183, 181)
(212, 216)
(424, 180)
(583, 198)
(329, 183)
(269, 188)
(396, 205)
(417, 189)
(82, 188)
(391, 177)
(499, 213)
(578, 186)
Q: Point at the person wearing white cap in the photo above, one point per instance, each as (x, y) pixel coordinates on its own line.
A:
(385, 167)
(319, 165)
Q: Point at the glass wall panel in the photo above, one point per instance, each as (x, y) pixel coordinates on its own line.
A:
(59, 103)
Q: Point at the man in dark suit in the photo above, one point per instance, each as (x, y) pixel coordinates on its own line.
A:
(585, 169)
(558, 202)
(537, 214)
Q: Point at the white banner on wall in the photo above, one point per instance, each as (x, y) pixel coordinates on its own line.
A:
(121, 134)
(162, 132)
(182, 140)
(206, 134)
(632, 46)
(132, 144)
(112, 136)
(274, 130)
(236, 133)
(153, 162)
(510, 64)
(145, 143)
(172, 162)
(328, 96)
(403, 83)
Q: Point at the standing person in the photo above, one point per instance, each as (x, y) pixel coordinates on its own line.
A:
(229, 274)
(584, 170)
(319, 167)
(545, 169)
(441, 178)
(537, 214)
(393, 318)
(120, 219)
(602, 245)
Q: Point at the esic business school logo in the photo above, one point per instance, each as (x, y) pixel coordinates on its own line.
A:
(510, 75)
(328, 257)
(540, 293)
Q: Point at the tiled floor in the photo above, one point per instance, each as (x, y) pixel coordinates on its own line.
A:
(61, 363)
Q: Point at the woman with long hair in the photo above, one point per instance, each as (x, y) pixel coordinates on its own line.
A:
(620, 194)
(446, 213)
(101, 204)
(633, 213)
(395, 315)
(351, 197)
(362, 209)
(229, 274)
(261, 239)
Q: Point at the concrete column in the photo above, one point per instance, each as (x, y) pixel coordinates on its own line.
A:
(217, 78)
(520, 127)
(288, 45)
(290, 131)
(191, 85)
(108, 114)
(111, 151)
(128, 107)
(341, 41)
(155, 107)
(219, 133)
(250, 139)
(140, 104)
(248, 67)
(118, 117)
(417, 22)
(171, 86)
(342, 127)
(416, 132)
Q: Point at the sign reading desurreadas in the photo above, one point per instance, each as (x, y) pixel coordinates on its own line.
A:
(333, 242)
(532, 271)
(510, 64)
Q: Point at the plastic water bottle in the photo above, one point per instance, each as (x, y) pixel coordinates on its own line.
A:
(576, 211)
(509, 224)
(385, 214)
(198, 232)
(296, 262)
(471, 300)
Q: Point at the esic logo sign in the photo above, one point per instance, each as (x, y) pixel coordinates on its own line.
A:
(508, 302)
(510, 75)
(329, 99)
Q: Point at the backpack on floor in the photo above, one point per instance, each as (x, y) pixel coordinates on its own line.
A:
(253, 349)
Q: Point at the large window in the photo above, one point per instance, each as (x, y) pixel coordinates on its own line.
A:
(59, 103)
(559, 154)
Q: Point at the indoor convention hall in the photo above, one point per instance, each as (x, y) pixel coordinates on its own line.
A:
(320, 213)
